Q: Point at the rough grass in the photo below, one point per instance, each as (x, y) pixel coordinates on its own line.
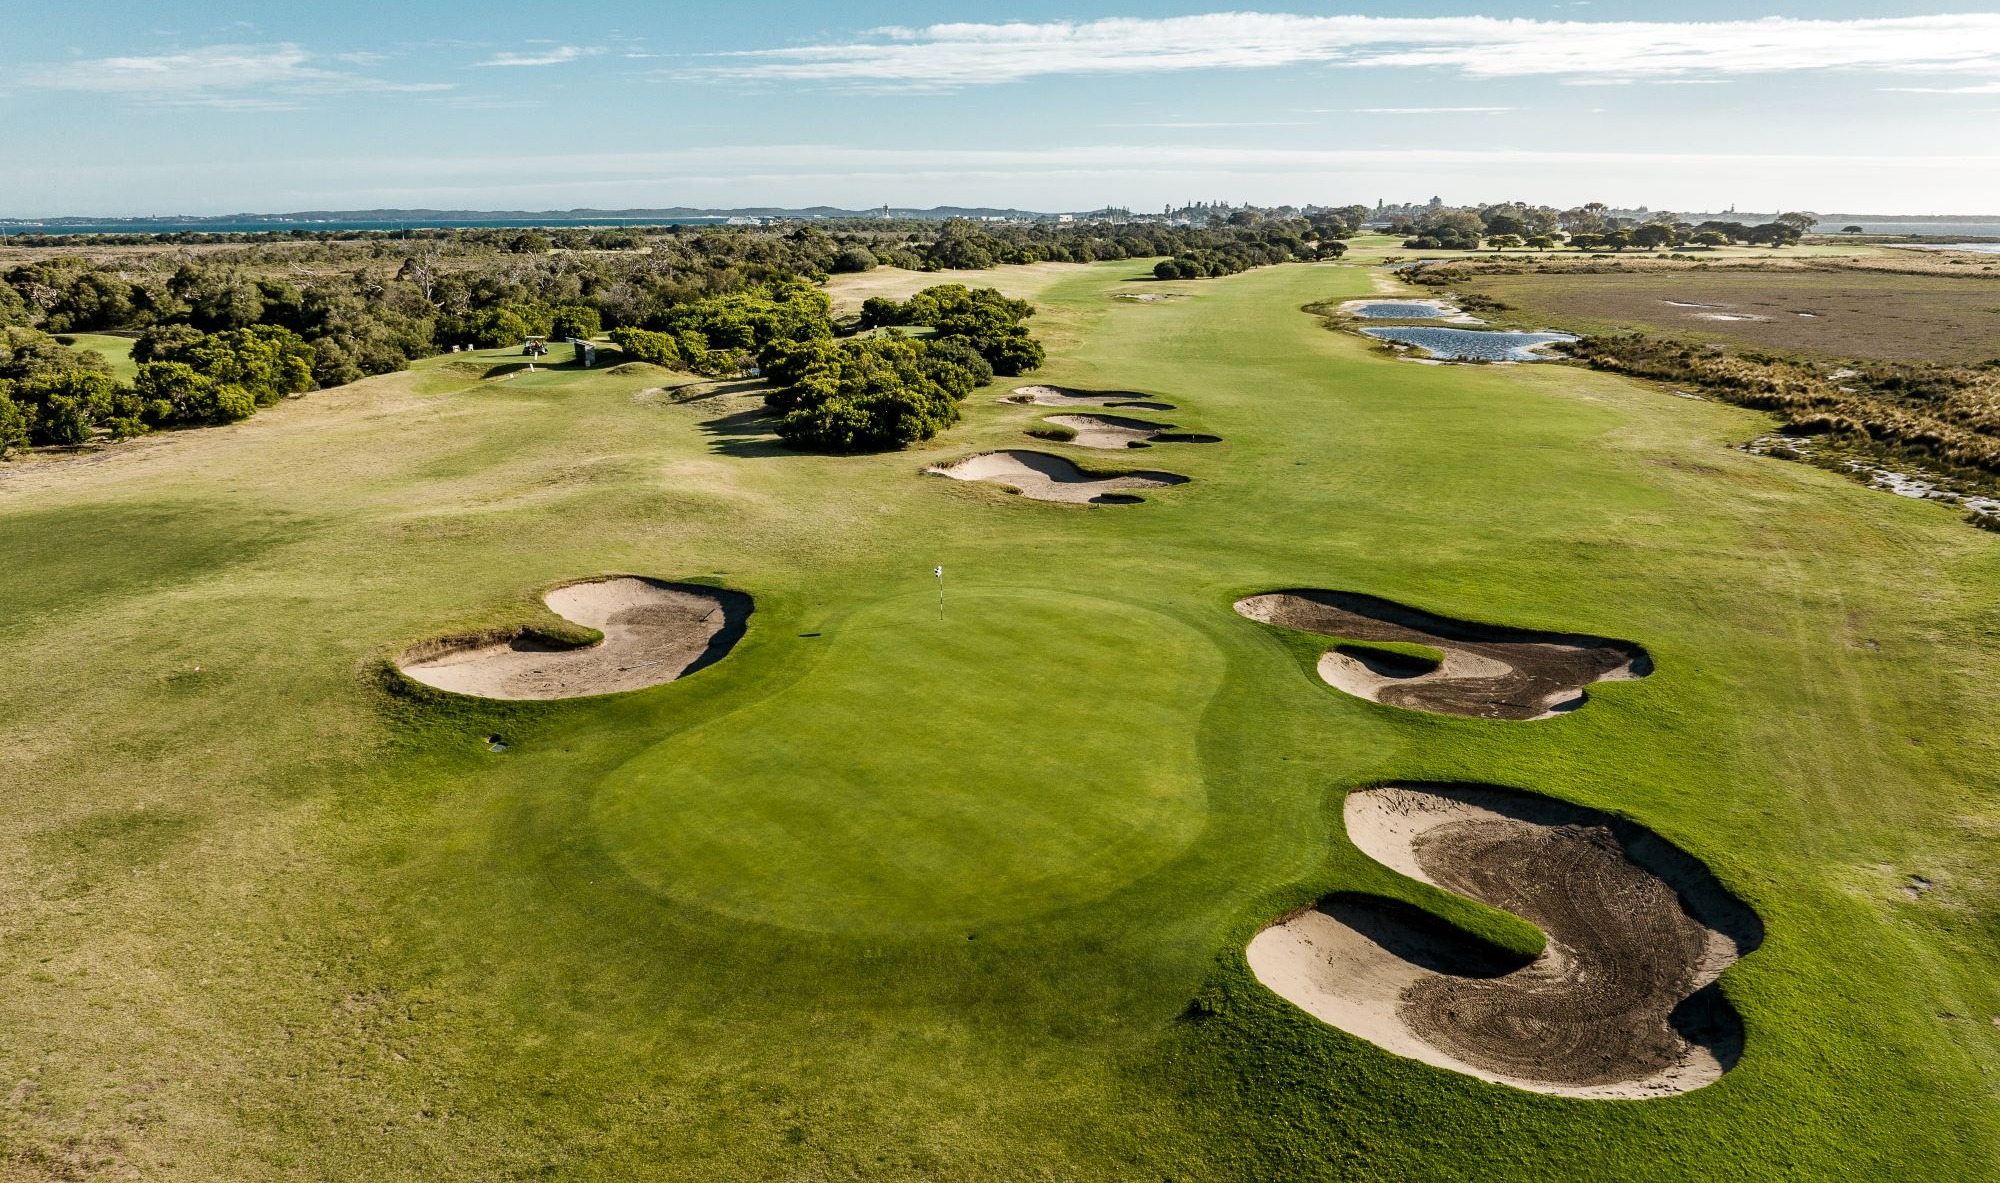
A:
(882, 897)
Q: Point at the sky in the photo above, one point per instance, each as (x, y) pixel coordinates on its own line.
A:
(117, 107)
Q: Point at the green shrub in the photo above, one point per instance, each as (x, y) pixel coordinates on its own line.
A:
(575, 320)
(854, 258)
(980, 319)
(661, 349)
(266, 361)
(13, 425)
(867, 395)
(176, 394)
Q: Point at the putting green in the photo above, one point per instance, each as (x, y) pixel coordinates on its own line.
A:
(775, 814)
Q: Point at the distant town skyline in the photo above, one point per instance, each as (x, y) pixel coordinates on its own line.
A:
(208, 107)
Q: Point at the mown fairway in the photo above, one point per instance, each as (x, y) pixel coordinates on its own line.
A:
(884, 897)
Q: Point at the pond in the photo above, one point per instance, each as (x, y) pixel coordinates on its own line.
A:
(1471, 344)
(1399, 310)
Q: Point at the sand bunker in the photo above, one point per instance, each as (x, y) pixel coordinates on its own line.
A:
(1622, 1002)
(1063, 396)
(1052, 478)
(1116, 431)
(654, 632)
(1487, 672)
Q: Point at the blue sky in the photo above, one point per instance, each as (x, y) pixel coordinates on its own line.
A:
(213, 106)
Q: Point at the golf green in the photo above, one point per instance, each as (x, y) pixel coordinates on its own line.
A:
(775, 814)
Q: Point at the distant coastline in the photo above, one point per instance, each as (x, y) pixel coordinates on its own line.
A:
(431, 219)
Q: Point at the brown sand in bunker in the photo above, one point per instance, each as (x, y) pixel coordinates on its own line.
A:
(654, 632)
(1051, 478)
(1621, 1004)
(1118, 431)
(1063, 396)
(1488, 672)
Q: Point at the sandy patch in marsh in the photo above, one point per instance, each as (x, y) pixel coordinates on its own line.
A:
(654, 632)
(1051, 478)
(1488, 672)
(1117, 431)
(1063, 396)
(1621, 1004)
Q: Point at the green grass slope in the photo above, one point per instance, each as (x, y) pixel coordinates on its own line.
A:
(881, 896)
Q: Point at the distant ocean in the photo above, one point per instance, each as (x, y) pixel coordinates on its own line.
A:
(260, 226)
(1927, 229)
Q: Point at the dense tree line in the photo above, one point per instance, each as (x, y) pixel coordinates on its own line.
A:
(52, 394)
(697, 298)
(1590, 227)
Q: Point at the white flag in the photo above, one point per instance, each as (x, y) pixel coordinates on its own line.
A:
(939, 572)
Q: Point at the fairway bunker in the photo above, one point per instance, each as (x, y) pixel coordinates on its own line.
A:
(654, 632)
(1063, 396)
(1117, 431)
(1487, 672)
(1051, 478)
(1622, 1003)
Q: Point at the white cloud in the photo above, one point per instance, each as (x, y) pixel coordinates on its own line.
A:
(553, 56)
(1982, 88)
(1215, 123)
(964, 54)
(1429, 110)
(232, 77)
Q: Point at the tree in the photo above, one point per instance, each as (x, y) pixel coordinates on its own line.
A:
(1653, 236)
(660, 349)
(496, 327)
(1773, 234)
(30, 353)
(217, 299)
(575, 320)
(265, 361)
(175, 393)
(870, 394)
(1853, 230)
(163, 341)
(64, 407)
(13, 424)
(854, 258)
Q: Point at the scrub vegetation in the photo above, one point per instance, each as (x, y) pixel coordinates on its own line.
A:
(341, 306)
(892, 893)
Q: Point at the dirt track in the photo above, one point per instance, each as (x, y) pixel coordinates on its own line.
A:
(1488, 672)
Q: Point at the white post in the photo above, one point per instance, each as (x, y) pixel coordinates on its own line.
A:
(940, 579)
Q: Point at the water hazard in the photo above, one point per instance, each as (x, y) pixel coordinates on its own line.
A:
(1471, 344)
(1398, 310)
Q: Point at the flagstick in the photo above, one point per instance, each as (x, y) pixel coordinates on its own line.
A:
(940, 577)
